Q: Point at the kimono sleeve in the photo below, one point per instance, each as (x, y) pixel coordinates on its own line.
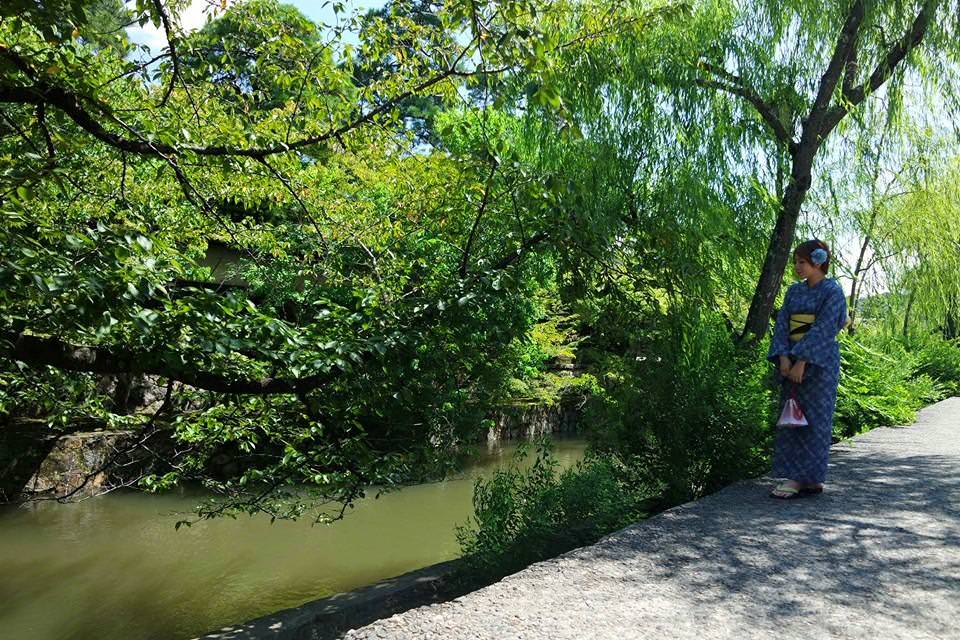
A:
(780, 342)
(816, 347)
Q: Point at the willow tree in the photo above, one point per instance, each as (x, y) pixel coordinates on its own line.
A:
(866, 172)
(799, 69)
(924, 239)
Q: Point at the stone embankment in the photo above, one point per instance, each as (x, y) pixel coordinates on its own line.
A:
(529, 421)
(876, 556)
(37, 461)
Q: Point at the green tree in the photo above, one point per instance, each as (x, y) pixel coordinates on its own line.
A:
(801, 68)
(377, 294)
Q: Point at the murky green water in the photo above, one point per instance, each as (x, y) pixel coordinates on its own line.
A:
(114, 568)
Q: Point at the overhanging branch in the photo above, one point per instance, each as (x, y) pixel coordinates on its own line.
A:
(71, 104)
(885, 68)
(37, 351)
(735, 85)
(44, 351)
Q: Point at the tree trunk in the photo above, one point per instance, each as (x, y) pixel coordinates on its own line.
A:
(816, 128)
(854, 290)
(950, 328)
(778, 251)
(950, 325)
(906, 314)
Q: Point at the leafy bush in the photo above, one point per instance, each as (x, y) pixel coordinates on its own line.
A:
(695, 410)
(881, 384)
(940, 359)
(690, 415)
(525, 515)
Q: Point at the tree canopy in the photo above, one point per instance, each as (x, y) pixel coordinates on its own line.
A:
(396, 201)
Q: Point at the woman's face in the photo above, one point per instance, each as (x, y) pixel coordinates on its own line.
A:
(803, 268)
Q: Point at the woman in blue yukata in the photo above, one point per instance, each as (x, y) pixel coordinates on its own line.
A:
(805, 349)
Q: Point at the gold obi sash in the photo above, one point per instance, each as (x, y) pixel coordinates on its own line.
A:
(800, 323)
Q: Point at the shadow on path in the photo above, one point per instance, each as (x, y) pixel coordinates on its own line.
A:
(876, 556)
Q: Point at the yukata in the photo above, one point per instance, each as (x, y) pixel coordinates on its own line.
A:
(801, 453)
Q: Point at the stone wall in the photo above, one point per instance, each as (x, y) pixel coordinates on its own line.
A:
(75, 465)
(329, 618)
(35, 460)
(529, 421)
(23, 448)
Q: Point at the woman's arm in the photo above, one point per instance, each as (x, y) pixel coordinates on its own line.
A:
(779, 352)
(816, 346)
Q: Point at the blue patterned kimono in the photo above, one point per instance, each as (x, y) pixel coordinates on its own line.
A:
(801, 453)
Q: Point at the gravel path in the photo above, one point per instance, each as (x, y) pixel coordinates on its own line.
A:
(877, 556)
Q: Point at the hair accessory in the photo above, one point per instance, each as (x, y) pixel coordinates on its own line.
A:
(818, 256)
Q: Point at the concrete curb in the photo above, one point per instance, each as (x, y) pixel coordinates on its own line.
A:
(328, 618)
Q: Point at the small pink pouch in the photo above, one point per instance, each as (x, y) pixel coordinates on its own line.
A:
(792, 414)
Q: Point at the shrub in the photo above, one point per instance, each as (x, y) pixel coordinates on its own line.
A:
(696, 410)
(940, 359)
(525, 515)
(881, 384)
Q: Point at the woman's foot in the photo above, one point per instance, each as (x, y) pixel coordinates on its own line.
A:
(787, 490)
(790, 489)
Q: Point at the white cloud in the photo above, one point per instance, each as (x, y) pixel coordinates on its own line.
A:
(191, 19)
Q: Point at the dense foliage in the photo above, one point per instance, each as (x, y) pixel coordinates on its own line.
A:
(524, 514)
(667, 433)
(322, 253)
(694, 409)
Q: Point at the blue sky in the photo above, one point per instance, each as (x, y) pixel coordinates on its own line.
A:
(320, 11)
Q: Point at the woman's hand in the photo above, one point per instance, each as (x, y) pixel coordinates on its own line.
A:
(796, 372)
(785, 366)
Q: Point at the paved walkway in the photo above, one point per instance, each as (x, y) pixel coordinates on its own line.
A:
(875, 557)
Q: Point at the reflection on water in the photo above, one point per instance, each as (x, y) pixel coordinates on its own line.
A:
(113, 567)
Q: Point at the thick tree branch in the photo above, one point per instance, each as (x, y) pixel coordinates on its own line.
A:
(513, 256)
(846, 43)
(44, 351)
(885, 68)
(850, 67)
(735, 85)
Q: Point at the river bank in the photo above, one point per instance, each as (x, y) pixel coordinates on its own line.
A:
(38, 461)
(874, 556)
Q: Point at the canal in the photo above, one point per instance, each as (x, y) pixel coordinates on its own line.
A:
(113, 567)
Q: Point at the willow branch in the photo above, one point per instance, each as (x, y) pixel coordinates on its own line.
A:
(884, 69)
(851, 67)
(846, 43)
(735, 85)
